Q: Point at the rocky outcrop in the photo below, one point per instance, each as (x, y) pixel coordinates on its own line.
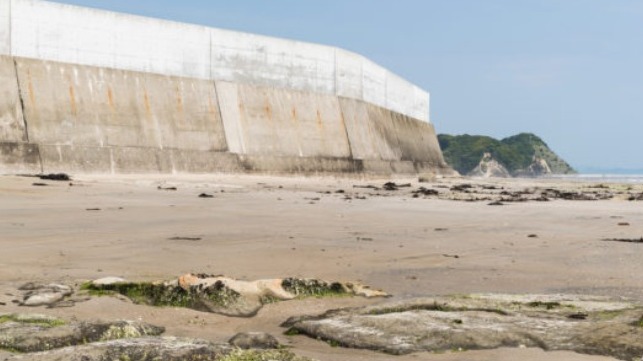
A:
(33, 333)
(538, 167)
(489, 167)
(589, 325)
(33, 337)
(254, 340)
(143, 349)
(522, 155)
(223, 295)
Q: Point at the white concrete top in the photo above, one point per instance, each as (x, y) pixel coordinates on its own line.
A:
(65, 33)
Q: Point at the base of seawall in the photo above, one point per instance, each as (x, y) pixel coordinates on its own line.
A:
(19, 158)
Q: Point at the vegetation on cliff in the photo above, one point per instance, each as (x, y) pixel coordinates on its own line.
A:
(517, 153)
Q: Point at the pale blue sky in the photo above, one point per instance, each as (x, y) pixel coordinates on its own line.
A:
(570, 71)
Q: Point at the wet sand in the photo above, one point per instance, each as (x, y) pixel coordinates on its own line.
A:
(271, 227)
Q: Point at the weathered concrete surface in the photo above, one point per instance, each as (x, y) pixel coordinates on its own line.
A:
(284, 123)
(12, 127)
(18, 157)
(100, 92)
(377, 135)
(69, 104)
(5, 27)
(70, 34)
(584, 324)
(86, 119)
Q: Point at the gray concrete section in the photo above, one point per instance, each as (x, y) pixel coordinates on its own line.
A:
(286, 123)
(75, 35)
(57, 32)
(19, 158)
(256, 59)
(89, 106)
(371, 135)
(5, 27)
(416, 140)
(299, 165)
(228, 95)
(75, 159)
(12, 127)
(377, 134)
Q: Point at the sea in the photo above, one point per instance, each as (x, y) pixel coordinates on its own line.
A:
(602, 178)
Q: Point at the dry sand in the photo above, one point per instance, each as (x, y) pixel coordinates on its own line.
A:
(271, 227)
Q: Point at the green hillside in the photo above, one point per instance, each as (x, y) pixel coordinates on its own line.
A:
(516, 153)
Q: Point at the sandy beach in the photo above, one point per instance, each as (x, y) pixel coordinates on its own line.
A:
(256, 227)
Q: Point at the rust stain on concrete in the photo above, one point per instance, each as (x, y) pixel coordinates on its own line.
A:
(179, 100)
(320, 122)
(72, 100)
(110, 98)
(148, 107)
(32, 95)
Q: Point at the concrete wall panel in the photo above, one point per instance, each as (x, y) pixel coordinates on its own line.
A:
(83, 105)
(260, 60)
(228, 94)
(19, 158)
(289, 123)
(12, 127)
(5, 27)
(371, 134)
(349, 74)
(64, 33)
(377, 134)
(75, 159)
(374, 83)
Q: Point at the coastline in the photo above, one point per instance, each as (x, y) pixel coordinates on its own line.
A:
(266, 226)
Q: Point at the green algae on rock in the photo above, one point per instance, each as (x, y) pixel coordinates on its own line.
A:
(218, 294)
(485, 321)
(34, 333)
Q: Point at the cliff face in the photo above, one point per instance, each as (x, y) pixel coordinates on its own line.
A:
(489, 167)
(522, 155)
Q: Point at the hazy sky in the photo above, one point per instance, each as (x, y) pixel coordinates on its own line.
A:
(570, 71)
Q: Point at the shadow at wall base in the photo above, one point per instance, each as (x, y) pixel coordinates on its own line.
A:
(19, 158)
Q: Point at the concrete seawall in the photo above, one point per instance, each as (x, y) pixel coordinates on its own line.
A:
(107, 115)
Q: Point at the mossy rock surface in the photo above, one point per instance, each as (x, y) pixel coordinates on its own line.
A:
(141, 349)
(551, 322)
(226, 296)
(33, 333)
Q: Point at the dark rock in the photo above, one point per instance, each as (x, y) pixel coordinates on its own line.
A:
(391, 186)
(205, 195)
(55, 177)
(166, 188)
(496, 203)
(40, 184)
(192, 239)
(254, 340)
(461, 187)
(425, 191)
(625, 240)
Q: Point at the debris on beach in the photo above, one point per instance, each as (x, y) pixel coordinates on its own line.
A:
(226, 296)
(61, 177)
